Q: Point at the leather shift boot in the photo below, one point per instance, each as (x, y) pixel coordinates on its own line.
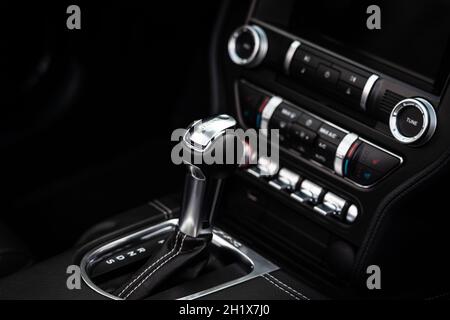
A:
(181, 257)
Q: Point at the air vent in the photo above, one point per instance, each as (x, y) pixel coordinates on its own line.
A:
(388, 102)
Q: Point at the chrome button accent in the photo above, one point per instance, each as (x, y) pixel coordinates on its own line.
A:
(309, 192)
(287, 180)
(367, 89)
(267, 113)
(266, 168)
(352, 214)
(342, 151)
(290, 55)
(332, 204)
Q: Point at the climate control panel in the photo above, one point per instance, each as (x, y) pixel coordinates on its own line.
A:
(308, 136)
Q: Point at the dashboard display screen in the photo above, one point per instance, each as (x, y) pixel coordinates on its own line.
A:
(413, 38)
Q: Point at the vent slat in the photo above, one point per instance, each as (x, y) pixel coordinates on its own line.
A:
(389, 100)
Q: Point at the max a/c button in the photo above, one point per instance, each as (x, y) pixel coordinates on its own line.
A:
(331, 134)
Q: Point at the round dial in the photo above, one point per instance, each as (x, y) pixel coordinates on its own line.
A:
(248, 46)
(413, 121)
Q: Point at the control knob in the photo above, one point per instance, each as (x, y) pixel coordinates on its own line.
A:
(413, 121)
(248, 46)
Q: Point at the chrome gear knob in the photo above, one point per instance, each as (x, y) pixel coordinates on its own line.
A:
(208, 144)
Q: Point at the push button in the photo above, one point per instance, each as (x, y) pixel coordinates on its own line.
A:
(302, 135)
(352, 78)
(301, 71)
(287, 180)
(324, 153)
(266, 168)
(309, 192)
(332, 204)
(280, 123)
(287, 112)
(327, 74)
(307, 59)
(410, 122)
(331, 134)
(309, 122)
(282, 118)
(350, 92)
(245, 44)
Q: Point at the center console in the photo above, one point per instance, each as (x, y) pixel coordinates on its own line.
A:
(362, 119)
(363, 123)
(362, 132)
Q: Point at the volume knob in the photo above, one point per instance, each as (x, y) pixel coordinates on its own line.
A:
(413, 121)
(248, 46)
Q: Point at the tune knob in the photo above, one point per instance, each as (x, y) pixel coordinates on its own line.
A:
(248, 46)
(413, 121)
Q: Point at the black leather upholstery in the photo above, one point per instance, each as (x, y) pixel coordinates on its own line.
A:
(271, 286)
(13, 253)
(181, 258)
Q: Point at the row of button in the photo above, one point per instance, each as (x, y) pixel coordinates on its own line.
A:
(307, 66)
(324, 202)
(307, 134)
(343, 153)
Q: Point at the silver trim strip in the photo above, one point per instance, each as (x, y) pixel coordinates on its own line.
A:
(342, 151)
(259, 264)
(268, 111)
(259, 51)
(367, 89)
(290, 55)
(251, 11)
(159, 208)
(429, 120)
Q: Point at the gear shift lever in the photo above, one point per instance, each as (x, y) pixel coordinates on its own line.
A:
(204, 182)
(185, 252)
